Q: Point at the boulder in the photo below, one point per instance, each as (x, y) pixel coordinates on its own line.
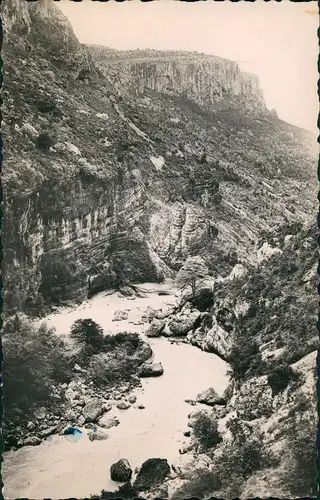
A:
(71, 395)
(148, 315)
(152, 474)
(121, 471)
(106, 407)
(132, 399)
(219, 341)
(155, 328)
(123, 405)
(210, 397)
(40, 413)
(120, 315)
(142, 353)
(81, 420)
(97, 434)
(71, 415)
(32, 441)
(186, 322)
(151, 370)
(29, 130)
(93, 410)
(107, 423)
(31, 426)
(48, 432)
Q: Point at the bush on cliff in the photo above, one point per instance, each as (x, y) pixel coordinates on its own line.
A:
(245, 356)
(301, 435)
(34, 359)
(43, 142)
(239, 461)
(202, 484)
(205, 431)
(280, 378)
(56, 276)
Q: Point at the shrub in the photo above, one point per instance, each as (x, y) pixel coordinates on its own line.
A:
(33, 360)
(205, 431)
(89, 334)
(120, 356)
(35, 308)
(243, 356)
(301, 478)
(280, 377)
(43, 142)
(56, 276)
(240, 461)
(106, 370)
(201, 485)
(125, 492)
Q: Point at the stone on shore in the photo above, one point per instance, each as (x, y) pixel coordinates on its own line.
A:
(120, 315)
(93, 410)
(151, 370)
(152, 473)
(31, 441)
(121, 471)
(155, 328)
(97, 434)
(210, 398)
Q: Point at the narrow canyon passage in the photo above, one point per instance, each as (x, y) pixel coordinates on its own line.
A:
(58, 468)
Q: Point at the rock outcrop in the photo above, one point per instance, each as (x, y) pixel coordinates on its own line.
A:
(207, 80)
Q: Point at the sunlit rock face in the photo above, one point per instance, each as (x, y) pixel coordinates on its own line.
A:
(207, 80)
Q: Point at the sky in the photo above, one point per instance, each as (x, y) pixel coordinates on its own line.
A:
(276, 41)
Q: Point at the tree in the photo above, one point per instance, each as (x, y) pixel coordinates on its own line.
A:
(34, 360)
(88, 333)
(205, 431)
(192, 273)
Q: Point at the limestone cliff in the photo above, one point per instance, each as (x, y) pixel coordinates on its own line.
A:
(105, 185)
(208, 80)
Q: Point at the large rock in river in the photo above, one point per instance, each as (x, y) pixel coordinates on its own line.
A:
(180, 326)
(121, 471)
(210, 397)
(120, 315)
(152, 474)
(93, 410)
(97, 434)
(155, 329)
(151, 370)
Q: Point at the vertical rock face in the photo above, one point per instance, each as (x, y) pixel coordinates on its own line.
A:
(66, 244)
(207, 80)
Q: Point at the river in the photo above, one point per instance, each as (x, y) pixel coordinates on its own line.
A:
(58, 468)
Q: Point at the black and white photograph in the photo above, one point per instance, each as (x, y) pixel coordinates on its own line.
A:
(160, 249)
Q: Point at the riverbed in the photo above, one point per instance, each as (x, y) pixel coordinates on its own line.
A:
(58, 468)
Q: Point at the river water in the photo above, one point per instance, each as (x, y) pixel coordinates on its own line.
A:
(58, 468)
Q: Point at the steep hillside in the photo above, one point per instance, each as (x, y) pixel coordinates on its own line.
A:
(106, 186)
(263, 322)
